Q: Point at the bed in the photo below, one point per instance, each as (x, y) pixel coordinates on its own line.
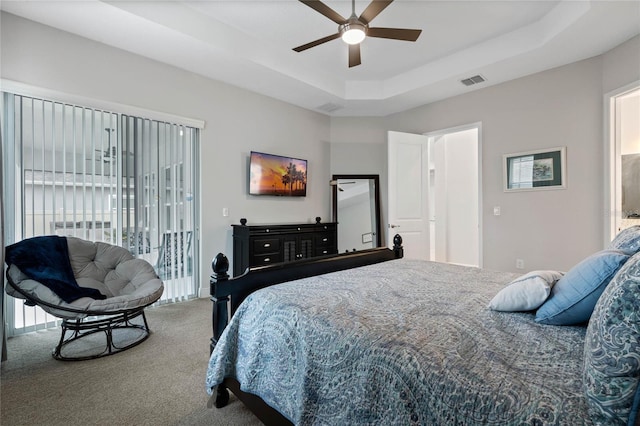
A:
(372, 338)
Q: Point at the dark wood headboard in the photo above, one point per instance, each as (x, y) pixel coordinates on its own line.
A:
(227, 293)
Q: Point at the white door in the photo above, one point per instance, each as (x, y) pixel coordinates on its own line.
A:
(434, 194)
(407, 183)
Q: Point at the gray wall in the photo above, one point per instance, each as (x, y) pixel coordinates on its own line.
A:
(559, 107)
(358, 146)
(237, 121)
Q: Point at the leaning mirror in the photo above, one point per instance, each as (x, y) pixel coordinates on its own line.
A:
(356, 208)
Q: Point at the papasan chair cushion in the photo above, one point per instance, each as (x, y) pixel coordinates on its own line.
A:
(126, 284)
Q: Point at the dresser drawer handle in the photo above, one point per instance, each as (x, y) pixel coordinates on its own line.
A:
(266, 245)
(325, 251)
(324, 240)
(267, 259)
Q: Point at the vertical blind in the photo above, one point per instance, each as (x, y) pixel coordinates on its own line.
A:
(102, 176)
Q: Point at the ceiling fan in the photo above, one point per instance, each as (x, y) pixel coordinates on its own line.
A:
(354, 30)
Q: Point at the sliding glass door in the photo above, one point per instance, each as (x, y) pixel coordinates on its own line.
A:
(160, 224)
(102, 176)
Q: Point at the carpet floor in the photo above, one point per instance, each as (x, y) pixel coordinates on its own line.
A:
(159, 382)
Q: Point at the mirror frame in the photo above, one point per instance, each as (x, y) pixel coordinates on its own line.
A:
(334, 198)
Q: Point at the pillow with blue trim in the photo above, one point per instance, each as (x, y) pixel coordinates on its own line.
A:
(627, 240)
(575, 295)
(525, 293)
(611, 372)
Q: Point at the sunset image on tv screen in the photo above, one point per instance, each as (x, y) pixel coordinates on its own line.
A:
(276, 175)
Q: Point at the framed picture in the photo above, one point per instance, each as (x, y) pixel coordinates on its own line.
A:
(542, 169)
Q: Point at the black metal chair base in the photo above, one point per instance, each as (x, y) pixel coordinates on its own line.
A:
(76, 332)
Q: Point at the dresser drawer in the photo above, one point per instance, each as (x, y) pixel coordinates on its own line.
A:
(323, 251)
(265, 259)
(266, 245)
(324, 239)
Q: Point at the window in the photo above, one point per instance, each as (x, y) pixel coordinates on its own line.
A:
(76, 171)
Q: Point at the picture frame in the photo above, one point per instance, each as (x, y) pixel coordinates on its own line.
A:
(542, 169)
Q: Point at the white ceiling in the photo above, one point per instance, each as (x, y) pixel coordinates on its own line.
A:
(248, 43)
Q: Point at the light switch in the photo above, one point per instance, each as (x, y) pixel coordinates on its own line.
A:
(225, 211)
(496, 211)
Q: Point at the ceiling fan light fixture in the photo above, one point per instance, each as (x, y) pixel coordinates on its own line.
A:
(353, 32)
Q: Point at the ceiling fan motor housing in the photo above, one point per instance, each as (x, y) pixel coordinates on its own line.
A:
(353, 31)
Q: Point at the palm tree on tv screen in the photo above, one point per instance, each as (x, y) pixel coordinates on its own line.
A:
(292, 172)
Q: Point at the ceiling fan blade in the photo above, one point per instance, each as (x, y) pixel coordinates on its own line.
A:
(354, 55)
(394, 33)
(325, 10)
(374, 8)
(317, 42)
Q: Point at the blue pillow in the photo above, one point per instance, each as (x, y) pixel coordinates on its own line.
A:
(628, 240)
(611, 374)
(575, 295)
(634, 418)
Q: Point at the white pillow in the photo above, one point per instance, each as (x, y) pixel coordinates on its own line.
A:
(525, 293)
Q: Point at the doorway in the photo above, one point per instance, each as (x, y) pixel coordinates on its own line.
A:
(434, 194)
(622, 170)
(454, 196)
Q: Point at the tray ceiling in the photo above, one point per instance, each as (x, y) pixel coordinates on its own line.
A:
(248, 43)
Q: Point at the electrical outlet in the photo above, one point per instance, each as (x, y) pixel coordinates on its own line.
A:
(519, 264)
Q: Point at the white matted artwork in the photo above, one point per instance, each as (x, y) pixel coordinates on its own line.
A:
(532, 170)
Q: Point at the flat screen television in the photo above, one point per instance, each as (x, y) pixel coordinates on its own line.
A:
(271, 174)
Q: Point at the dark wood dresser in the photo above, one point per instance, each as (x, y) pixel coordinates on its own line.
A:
(259, 245)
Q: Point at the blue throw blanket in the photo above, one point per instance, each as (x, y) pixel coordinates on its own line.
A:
(46, 260)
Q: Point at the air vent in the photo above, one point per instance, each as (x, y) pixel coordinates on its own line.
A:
(473, 80)
(329, 107)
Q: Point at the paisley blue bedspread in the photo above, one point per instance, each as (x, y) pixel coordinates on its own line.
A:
(400, 343)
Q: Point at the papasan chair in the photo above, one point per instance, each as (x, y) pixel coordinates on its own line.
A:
(99, 291)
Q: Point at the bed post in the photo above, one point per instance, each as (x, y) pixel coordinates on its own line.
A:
(220, 266)
(220, 319)
(397, 246)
